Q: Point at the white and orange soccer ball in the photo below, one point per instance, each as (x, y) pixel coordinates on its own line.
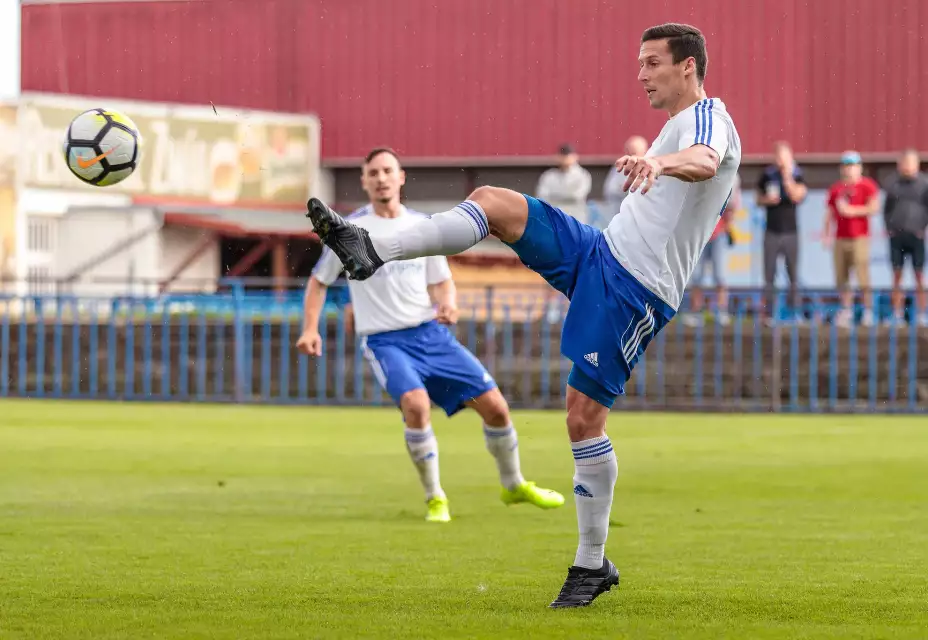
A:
(102, 147)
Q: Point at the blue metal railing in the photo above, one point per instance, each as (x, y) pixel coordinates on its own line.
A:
(236, 346)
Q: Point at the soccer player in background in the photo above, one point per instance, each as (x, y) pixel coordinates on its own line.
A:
(413, 354)
(625, 283)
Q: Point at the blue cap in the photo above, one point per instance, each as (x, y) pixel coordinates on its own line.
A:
(850, 157)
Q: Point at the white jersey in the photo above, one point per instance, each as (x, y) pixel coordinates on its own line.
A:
(658, 237)
(396, 296)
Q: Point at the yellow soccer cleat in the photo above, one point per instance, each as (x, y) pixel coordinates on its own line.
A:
(528, 492)
(438, 510)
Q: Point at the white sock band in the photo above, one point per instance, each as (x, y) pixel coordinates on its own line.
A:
(423, 450)
(503, 445)
(443, 234)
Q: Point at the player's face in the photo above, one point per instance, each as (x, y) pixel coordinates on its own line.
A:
(663, 80)
(382, 178)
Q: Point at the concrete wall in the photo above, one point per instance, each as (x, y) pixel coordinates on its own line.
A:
(177, 244)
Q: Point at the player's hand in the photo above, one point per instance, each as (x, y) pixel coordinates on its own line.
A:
(310, 343)
(448, 313)
(827, 241)
(642, 171)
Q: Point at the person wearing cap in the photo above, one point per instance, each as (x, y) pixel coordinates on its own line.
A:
(851, 202)
(780, 190)
(568, 185)
(905, 213)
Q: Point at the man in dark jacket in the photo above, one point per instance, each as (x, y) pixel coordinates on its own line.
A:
(906, 216)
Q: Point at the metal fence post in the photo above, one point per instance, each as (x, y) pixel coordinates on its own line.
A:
(238, 304)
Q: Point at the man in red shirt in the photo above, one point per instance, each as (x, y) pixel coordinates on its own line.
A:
(851, 202)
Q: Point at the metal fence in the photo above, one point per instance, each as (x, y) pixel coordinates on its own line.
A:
(239, 346)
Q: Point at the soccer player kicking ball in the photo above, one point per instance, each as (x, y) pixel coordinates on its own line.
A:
(413, 354)
(624, 284)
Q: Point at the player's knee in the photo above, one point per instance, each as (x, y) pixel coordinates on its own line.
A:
(485, 196)
(586, 418)
(416, 409)
(493, 408)
(506, 211)
(579, 427)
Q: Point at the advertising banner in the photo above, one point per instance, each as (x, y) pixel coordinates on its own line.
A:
(198, 155)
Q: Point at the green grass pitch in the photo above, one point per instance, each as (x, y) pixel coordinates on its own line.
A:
(154, 521)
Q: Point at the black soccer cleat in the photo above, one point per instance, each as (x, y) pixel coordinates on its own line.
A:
(584, 585)
(350, 243)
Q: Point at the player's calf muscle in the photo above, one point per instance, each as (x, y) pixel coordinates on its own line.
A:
(506, 211)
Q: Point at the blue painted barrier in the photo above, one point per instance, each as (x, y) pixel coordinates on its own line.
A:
(238, 346)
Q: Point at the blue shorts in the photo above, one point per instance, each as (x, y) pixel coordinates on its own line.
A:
(427, 357)
(612, 317)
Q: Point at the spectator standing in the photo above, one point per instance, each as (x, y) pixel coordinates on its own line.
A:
(568, 185)
(713, 258)
(613, 192)
(780, 190)
(851, 202)
(906, 216)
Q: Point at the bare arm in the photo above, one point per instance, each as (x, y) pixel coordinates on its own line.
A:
(444, 295)
(694, 164)
(862, 210)
(828, 226)
(795, 190)
(767, 201)
(310, 342)
(312, 305)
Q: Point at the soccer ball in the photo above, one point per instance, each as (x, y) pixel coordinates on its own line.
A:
(102, 147)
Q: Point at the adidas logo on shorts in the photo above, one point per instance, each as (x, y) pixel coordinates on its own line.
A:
(592, 358)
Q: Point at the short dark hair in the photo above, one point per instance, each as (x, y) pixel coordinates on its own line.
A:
(377, 151)
(684, 41)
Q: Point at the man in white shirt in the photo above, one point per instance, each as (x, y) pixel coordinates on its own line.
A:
(568, 182)
(414, 356)
(624, 283)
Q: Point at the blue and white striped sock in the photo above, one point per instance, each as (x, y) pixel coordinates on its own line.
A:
(423, 450)
(443, 234)
(503, 445)
(595, 473)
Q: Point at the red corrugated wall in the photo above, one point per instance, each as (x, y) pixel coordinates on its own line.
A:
(498, 77)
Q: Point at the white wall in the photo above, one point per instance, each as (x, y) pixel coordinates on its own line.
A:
(177, 243)
(48, 207)
(88, 233)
